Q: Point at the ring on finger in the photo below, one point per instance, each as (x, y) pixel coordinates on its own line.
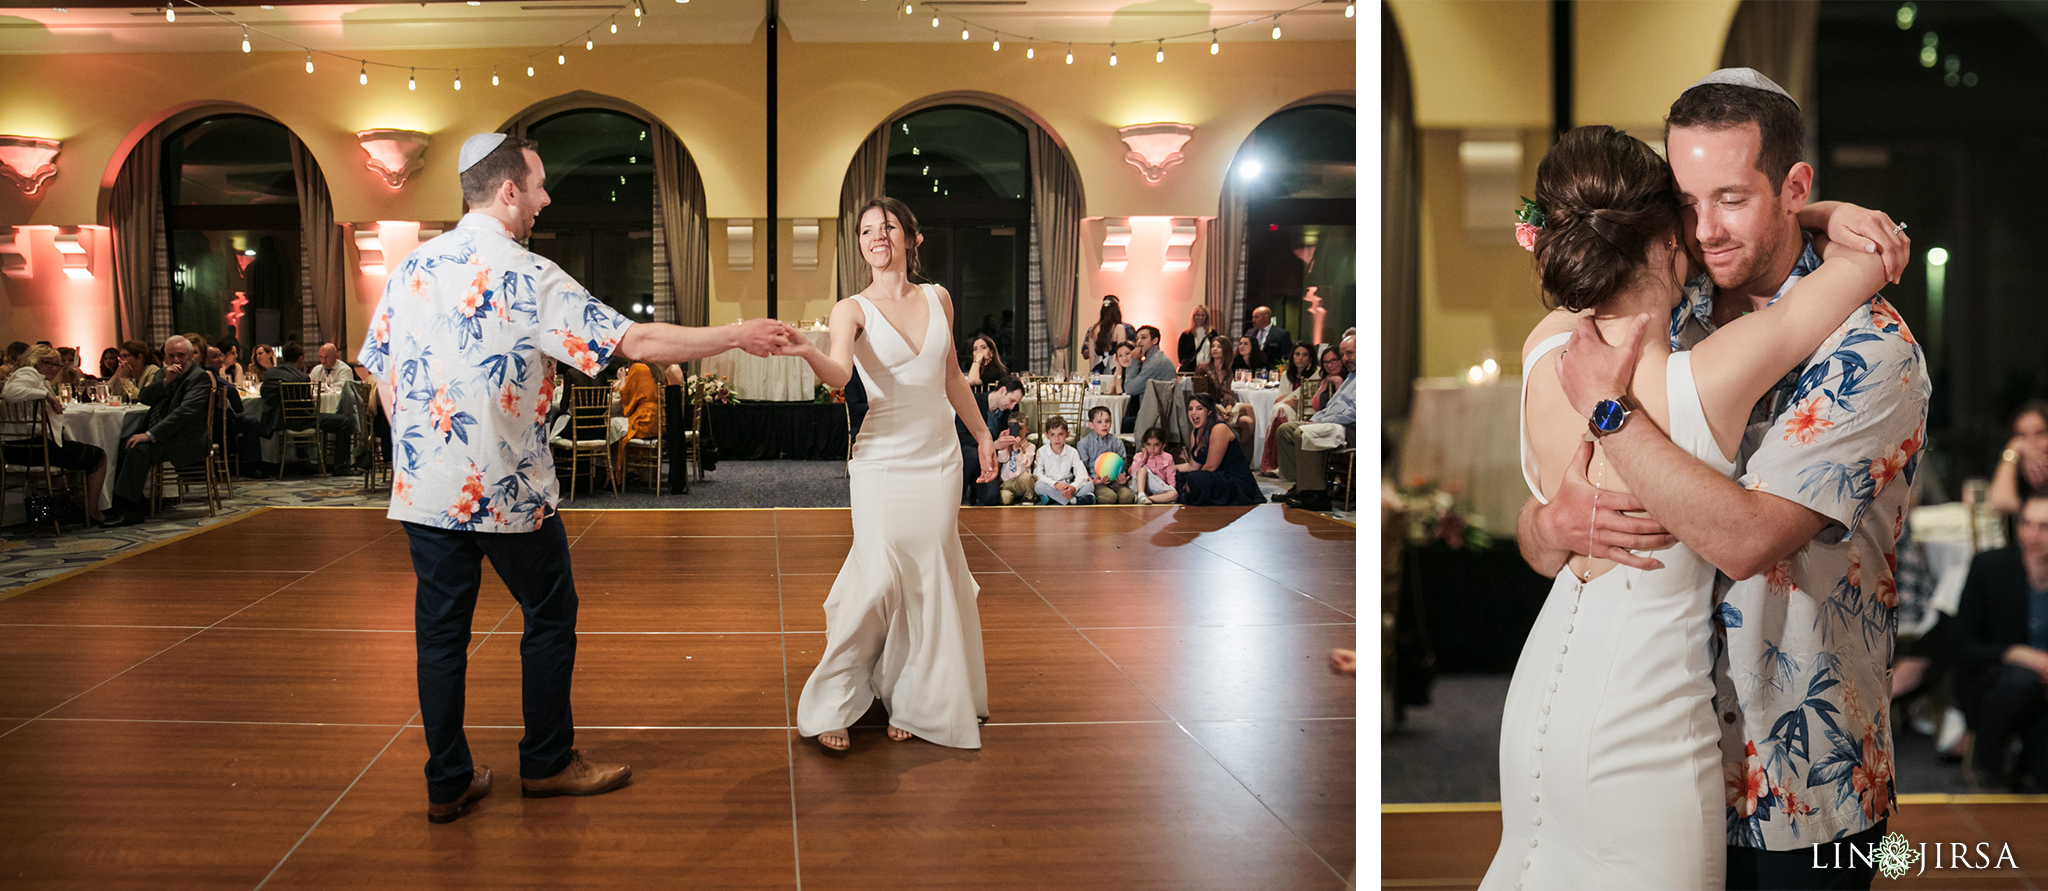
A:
(1898, 228)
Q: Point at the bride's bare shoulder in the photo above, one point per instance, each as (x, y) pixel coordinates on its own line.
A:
(1555, 322)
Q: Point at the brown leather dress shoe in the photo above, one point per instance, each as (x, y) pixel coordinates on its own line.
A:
(581, 777)
(479, 786)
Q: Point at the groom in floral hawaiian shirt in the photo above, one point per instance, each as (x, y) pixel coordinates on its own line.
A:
(463, 346)
(1807, 535)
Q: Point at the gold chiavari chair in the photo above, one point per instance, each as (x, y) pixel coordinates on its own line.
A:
(586, 439)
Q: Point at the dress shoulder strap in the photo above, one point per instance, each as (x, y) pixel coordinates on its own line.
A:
(1522, 411)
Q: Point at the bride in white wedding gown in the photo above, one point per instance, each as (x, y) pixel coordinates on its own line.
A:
(900, 622)
(1609, 760)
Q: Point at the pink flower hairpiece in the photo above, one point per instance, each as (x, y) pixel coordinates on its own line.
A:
(1528, 221)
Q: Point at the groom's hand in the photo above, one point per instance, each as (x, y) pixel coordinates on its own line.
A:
(1591, 369)
(1576, 521)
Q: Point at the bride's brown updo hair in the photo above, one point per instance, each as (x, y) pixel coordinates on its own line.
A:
(1606, 197)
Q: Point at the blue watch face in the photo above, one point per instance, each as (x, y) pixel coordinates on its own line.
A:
(1608, 415)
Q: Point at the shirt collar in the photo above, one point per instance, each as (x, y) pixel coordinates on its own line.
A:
(1696, 297)
(484, 222)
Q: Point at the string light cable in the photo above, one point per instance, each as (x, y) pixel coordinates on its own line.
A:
(997, 36)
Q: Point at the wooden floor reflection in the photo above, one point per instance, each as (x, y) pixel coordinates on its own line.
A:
(237, 710)
(1447, 847)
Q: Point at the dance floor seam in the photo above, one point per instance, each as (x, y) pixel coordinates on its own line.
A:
(1163, 716)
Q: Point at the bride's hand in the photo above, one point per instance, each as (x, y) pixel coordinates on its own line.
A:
(794, 343)
(1872, 231)
(988, 461)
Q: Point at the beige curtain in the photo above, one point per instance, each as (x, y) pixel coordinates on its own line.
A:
(324, 267)
(682, 234)
(1777, 38)
(1223, 260)
(1400, 225)
(135, 214)
(1057, 205)
(863, 183)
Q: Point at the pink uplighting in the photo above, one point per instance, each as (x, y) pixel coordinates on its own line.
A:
(1155, 147)
(234, 314)
(28, 161)
(394, 154)
(1153, 288)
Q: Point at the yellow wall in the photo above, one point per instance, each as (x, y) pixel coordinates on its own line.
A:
(710, 95)
(1485, 65)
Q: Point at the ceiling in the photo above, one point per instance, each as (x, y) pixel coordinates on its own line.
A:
(99, 26)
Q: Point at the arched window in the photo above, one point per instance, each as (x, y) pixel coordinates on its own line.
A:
(233, 225)
(1298, 173)
(600, 226)
(966, 173)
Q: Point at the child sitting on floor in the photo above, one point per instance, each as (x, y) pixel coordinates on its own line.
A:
(1101, 441)
(1152, 471)
(1061, 479)
(1014, 463)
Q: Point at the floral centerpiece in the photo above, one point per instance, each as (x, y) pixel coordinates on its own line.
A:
(1433, 513)
(709, 389)
(824, 394)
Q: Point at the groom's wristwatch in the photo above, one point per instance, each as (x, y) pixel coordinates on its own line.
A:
(1609, 415)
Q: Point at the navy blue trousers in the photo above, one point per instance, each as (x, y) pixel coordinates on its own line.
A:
(535, 566)
(1755, 869)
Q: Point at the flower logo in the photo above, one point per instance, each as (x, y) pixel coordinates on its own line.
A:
(1894, 855)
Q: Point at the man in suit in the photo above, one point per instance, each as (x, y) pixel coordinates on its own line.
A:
(994, 404)
(2001, 647)
(1147, 365)
(1274, 341)
(289, 371)
(174, 431)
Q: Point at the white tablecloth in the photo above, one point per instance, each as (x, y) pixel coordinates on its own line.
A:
(770, 378)
(1943, 533)
(1469, 438)
(1262, 400)
(1115, 404)
(104, 426)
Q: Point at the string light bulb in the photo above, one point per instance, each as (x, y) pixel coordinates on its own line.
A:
(589, 44)
(615, 27)
(561, 59)
(636, 9)
(1160, 56)
(363, 75)
(1030, 52)
(1214, 48)
(998, 44)
(309, 62)
(245, 38)
(494, 75)
(529, 69)
(963, 33)
(170, 15)
(908, 8)
(458, 80)
(1350, 10)
(1112, 55)
(1070, 54)
(412, 79)
(935, 21)
(1276, 27)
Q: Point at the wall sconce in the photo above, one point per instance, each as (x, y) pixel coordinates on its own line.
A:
(1180, 245)
(394, 154)
(803, 246)
(76, 249)
(15, 255)
(1155, 147)
(28, 161)
(739, 246)
(369, 252)
(1116, 245)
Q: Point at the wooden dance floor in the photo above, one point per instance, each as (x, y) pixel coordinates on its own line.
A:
(1449, 846)
(237, 710)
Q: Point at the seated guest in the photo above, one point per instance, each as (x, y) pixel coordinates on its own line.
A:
(1301, 379)
(1301, 459)
(72, 374)
(2000, 644)
(1103, 336)
(1102, 440)
(1115, 385)
(138, 369)
(1193, 341)
(230, 370)
(639, 401)
(985, 369)
(12, 363)
(33, 382)
(1271, 339)
(175, 428)
(994, 405)
(1212, 378)
(110, 362)
(2023, 469)
(1152, 472)
(1216, 471)
(1147, 364)
(1015, 460)
(289, 371)
(1249, 357)
(1061, 479)
(330, 370)
(261, 360)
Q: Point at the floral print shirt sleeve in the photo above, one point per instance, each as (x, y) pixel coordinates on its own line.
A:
(1804, 649)
(467, 334)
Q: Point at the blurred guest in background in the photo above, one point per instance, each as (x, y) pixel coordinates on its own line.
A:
(1097, 346)
(2023, 469)
(1190, 350)
(2000, 642)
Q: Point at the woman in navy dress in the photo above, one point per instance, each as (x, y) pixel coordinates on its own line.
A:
(1216, 471)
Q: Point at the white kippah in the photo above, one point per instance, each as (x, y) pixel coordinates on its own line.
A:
(475, 148)
(1745, 77)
